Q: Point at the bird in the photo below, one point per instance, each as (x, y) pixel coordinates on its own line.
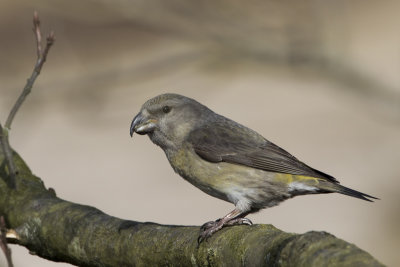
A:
(227, 160)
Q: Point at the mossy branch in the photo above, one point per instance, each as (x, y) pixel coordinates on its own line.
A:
(60, 230)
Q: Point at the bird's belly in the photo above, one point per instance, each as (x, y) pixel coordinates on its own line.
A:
(229, 182)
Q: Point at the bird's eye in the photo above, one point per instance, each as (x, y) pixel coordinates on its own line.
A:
(166, 109)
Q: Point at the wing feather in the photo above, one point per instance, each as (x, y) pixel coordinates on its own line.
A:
(233, 143)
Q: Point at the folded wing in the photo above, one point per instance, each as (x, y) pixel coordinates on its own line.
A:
(233, 143)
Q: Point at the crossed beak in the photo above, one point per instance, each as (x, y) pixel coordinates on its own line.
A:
(142, 125)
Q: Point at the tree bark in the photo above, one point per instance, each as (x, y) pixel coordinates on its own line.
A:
(59, 230)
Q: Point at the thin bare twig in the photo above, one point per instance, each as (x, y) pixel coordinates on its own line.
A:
(41, 58)
(3, 242)
(42, 55)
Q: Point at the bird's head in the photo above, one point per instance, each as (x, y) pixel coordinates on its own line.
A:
(168, 119)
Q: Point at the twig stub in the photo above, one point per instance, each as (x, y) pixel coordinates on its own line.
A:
(38, 34)
(3, 242)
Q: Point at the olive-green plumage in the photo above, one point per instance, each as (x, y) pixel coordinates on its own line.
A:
(228, 160)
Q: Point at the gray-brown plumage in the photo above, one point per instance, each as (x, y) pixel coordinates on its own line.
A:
(228, 160)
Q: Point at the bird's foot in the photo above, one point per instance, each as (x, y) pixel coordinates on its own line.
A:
(209, 225)
(239, 221)
(209, 228)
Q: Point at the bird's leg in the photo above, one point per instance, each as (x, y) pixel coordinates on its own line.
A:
(234, 217)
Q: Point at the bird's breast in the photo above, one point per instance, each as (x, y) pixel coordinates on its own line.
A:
(204, 175)
(226, 181)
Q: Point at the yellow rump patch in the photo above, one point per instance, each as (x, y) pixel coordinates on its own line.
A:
(290, 178)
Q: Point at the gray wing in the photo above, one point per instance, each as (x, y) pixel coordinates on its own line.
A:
(233, 143)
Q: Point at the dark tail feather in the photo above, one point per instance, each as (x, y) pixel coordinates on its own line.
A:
(353, 193)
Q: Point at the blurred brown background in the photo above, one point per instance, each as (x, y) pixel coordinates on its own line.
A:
(319, 78)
